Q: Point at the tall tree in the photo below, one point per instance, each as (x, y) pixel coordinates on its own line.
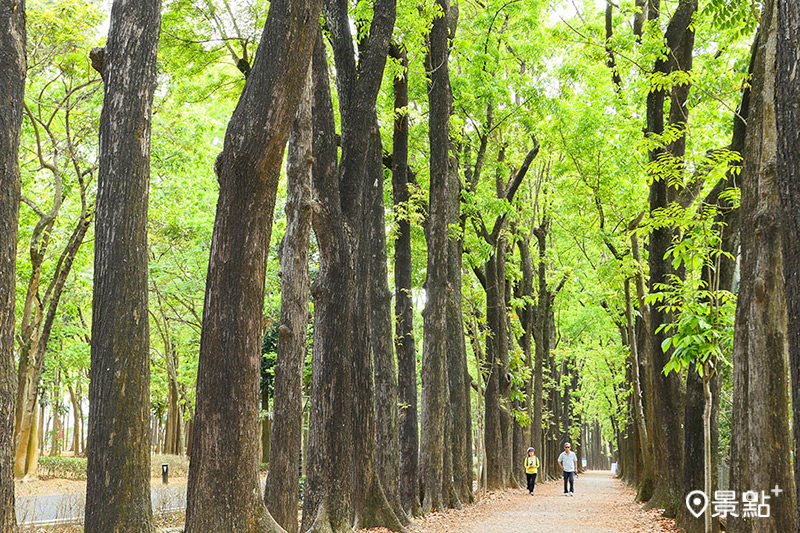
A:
(282, 488)
(118, 471)
(13, 66)
(498, 427)
(459, 380)
(408, 426)
(434, 354)
(787, 117)
(460, 441)
(665, 390)
(223, 491)
(760, 409)
(387, 439)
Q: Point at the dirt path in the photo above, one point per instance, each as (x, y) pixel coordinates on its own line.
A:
(602, 504)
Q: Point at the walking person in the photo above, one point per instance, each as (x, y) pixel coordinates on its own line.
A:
(531, 469)
(568, 462)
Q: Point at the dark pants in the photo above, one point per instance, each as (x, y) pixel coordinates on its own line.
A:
(571, 477)
(531, 481)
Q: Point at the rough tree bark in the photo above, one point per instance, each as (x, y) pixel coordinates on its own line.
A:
(457, 372)
(387, 454)
(13, 66)
(787, 103)
(434, 354)
(223, 492)
(404, 311)
(326, 503)
(358, 83)
(760, 409)
(282, 488)
(118, 470)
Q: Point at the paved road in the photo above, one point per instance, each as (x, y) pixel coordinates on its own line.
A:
(602, 504)
(68, 508)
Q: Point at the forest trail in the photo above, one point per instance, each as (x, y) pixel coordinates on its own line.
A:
(602, 504)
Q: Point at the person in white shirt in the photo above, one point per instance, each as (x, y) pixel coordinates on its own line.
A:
(568, 462)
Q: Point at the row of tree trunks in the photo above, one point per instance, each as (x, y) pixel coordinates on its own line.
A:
(761, 398)
(223, 490)
(361, 175)
(13, 67)
(283, 478)
(549, 441)
(174, 427)
(498, 427)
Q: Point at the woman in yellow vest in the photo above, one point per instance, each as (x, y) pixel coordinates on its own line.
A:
(531, 469)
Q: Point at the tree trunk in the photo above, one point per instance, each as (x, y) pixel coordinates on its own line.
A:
(528, 321)
(504, 367)
(493, 443)
(223, 492)
(370, 505)
(404, 311)
(787, 103)
(326, 503)
(55, 403)
(434, 353)
(387, 455)
(12, 91)
(172, 439)
(117, 498)
(760, 411)
(665, 393)
(32, 453)
(457, 371)
(282, 488)
(266, 426)
(638, 409)
(41, 429)
(76, 431)
(644, 350)
(707, 444)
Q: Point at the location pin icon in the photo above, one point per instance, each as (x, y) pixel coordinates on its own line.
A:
(697, 502)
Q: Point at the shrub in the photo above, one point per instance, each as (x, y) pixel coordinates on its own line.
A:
(63, 467)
